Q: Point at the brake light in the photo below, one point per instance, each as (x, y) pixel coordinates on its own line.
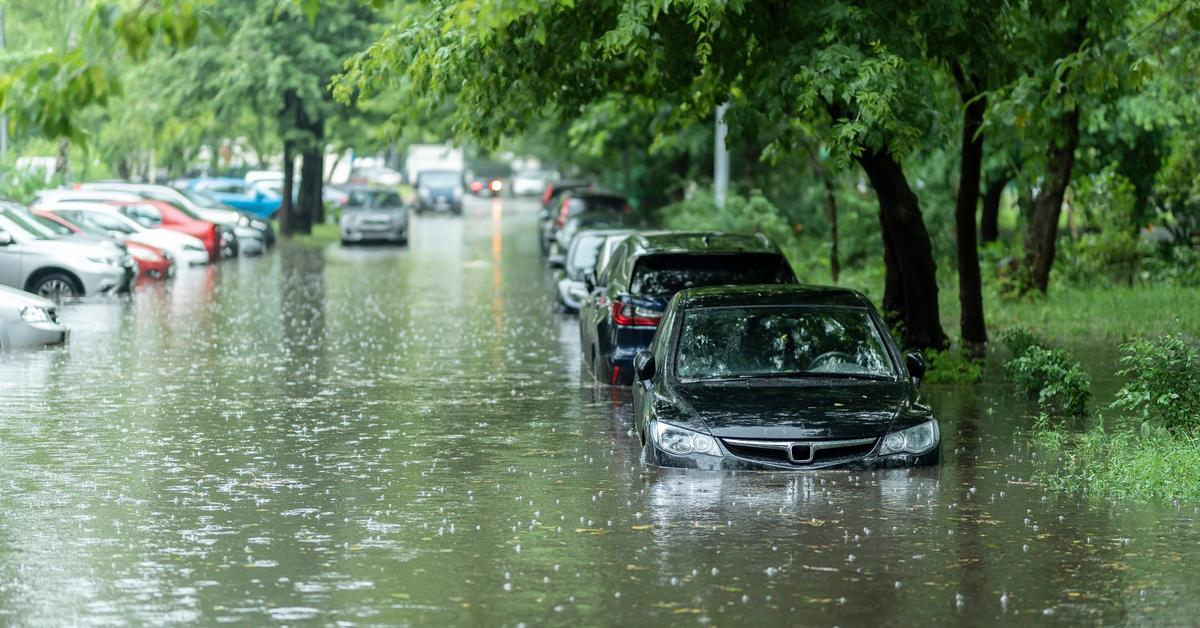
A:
(548, 194)
(562, 217)
(629, 314)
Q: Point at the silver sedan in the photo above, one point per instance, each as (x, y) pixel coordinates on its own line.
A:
(27, 320)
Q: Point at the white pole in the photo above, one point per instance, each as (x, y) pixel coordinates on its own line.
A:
(721, 158)
(3, 119)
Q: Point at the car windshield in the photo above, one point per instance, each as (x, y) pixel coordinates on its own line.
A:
(202, 200)
(360, 199)
(797, 341)
(440, 179)
(666, 274)
(584, 251)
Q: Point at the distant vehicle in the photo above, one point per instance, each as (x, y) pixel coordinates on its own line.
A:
(578, 201)
(151, 261)
(586, 220)
(373, 214)
(58, 270)
(433, 157)
(254, 198)
(253, 235)
(102, 219)
(626, 300)
(779, 378)
(440, 190)
(550, 204)
(27, 320)
(530, 182)
(486, 186)
(581, 260)
(377, 176)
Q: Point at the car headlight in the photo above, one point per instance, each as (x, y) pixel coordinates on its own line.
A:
(258, 224)
(105, 261)
(243, 221)
(423, 192)
(456, 192)
(680, 441)
(917, 439)
(35, 314)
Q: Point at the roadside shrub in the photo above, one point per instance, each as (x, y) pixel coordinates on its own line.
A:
(1180, 267)
(1018, 339)
(951, 367)
(1056, 381)
(1164, 386)
(1147, 464)
(1113, 255)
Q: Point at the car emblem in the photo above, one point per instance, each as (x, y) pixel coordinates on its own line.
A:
(800, 453)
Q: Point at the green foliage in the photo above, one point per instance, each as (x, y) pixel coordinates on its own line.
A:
(1053, 378)
(1149, 464)
(1164, 383)
(951, 367)
(1018, 340)
(1178, 266)
(1110, 256)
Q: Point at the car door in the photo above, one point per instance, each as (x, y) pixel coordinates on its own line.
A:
(11, 260)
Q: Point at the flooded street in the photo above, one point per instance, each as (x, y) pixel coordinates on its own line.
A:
(380, 436)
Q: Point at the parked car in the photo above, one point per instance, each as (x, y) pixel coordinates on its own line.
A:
(151, 261)
(580, 261)
(627, 299)
(373, 214)
(217, 239)
(779, 377)
(254, 198)
(581, 201)
(440, 190)
(551, 198)
(59, 270)
(530, 182)
(102, 219)
(252, 235)
(27, 320)
(586, 220)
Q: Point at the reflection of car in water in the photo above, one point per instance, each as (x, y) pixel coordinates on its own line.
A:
(779, 377)
(619, 316)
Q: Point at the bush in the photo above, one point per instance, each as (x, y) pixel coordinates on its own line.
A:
(951, 367)
(1054, 379)
(1164, 386)
(1180, 267)
(1112, 255)
(1018, 339)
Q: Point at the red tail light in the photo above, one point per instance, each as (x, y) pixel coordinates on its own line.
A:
(630, 314)
(548, 194)
(562, 217)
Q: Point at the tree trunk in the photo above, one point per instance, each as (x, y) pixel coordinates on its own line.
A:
(989, 219)
(970, 286)
(309, 203)
(911, 282)
(62, 161)
(1043, 225)
(286, 207)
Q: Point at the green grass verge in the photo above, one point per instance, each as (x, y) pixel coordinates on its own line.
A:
(1124, 464)
(322, 234)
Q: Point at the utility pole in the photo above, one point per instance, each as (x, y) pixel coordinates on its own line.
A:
(3, 118)
(721, 158)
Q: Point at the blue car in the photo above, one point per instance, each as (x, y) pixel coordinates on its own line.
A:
(251, 198)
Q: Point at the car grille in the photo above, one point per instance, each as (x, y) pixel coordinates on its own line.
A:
(800, 453)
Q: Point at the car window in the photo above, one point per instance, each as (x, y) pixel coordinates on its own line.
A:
(748, 342)
(20, 229)
(54, 226)
(439, 179)
(108, 222)
(666, 274)
(373, 199)
(584, 251)
(603, 204)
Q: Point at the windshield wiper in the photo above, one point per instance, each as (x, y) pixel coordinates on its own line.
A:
(792, 375)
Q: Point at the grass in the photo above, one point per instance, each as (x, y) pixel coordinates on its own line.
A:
(1125, 464)
(322, 234)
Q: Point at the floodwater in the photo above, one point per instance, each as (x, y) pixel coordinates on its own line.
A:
(378, 436)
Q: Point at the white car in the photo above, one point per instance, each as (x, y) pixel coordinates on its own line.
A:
(529, 182)
(27, 320)
(99, 217)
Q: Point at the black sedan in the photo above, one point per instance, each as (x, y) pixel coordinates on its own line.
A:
(779, 378)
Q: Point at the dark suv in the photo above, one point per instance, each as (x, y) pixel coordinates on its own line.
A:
(628, 296)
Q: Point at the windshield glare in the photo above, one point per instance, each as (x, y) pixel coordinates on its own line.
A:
(749, 342)
(667, 274)
(584, 251)
(20, 228)
(374, 200)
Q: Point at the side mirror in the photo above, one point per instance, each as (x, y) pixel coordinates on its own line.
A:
(916, 365)
(5, 238)
(556, 261)
(643, 366)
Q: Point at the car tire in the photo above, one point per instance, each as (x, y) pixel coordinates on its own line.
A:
(56, 286)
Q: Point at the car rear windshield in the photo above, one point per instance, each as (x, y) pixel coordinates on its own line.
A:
(359, 199)
(666, 274)
(790, 341)
(580, 205)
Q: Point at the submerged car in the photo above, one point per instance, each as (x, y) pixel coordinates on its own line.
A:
(580, 261)
(151, 261)
(103, 219)
(779, 377)
(373, 215)
(32, 259)
(627, 299)
(27, 320)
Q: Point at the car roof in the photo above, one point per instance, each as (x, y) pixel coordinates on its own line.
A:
(587, 192)
(770, 294)
(699, 242)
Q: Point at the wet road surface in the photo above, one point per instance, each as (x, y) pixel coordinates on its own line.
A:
(380, 436)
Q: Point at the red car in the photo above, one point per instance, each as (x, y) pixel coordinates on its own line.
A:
(153, 214)
(151, 260)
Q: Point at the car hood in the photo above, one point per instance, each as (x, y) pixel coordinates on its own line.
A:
(20, 298)
(795, 409)
(397, 215)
